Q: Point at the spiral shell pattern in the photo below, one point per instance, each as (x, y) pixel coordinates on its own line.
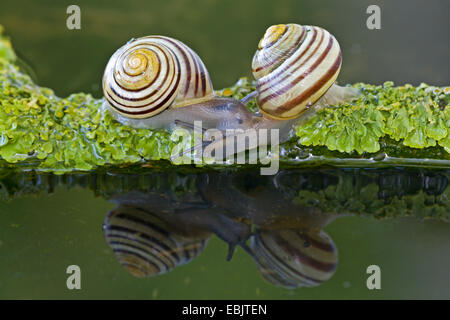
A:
(150, 74)
(294, 66)
(145, 245)
(291, 258)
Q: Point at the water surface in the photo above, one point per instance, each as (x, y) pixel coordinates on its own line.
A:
(315, 229)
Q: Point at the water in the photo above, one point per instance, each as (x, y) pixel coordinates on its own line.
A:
(341, 222)
(364, 216)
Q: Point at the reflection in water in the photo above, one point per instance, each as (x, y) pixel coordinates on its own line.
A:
(163, 220)
(147, 244)
(291, 257)
(271, 218)
(149, 241)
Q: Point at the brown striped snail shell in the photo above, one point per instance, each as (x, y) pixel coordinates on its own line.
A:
(149, 74)
(292, 258)
(146, 245)
(294, 66)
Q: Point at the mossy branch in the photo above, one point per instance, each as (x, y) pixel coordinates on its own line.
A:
(388, 125)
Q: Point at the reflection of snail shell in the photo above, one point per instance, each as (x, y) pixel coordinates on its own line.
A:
(146, 245)
(290, 258)
(294, 66)
(150, 74)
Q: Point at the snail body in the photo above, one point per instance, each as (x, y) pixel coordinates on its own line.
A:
(156, 82)
(218, 113)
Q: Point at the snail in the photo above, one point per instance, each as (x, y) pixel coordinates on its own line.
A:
(158, 82)
(147, 245)
(155, 81)
(292, 258)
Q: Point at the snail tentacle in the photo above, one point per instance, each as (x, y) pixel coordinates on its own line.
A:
(249, 97)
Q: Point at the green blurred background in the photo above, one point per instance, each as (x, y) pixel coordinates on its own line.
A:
(412, 45)
(41, 235)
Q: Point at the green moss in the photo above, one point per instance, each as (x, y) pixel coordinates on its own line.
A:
(416, 117)
(347, 198)
(6, 50)
(41, 131)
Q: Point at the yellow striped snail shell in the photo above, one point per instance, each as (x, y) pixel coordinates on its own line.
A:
(146, 245)
(294, 66)
(150, 74)
(291, 258)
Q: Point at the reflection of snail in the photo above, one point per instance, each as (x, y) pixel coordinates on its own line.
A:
(147, 245)
(157, 82)
(292, 258)
(153, 232)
